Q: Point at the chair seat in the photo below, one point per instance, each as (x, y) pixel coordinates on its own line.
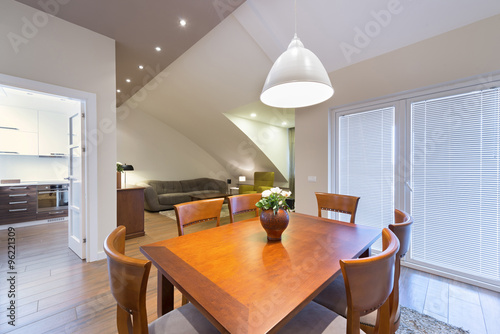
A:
(182, 320)
(315, 318)
(334, 298)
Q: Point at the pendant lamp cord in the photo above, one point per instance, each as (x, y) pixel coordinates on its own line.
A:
(295, 17)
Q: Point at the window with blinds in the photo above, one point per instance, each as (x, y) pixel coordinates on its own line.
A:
(455, 178)
(366, 165)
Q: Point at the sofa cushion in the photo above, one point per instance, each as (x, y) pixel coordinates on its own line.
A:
(201, 192)
(163, 187)
(202, 184)
(173, 198)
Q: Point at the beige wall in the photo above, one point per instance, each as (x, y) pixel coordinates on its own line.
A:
(43, 48)
(461, 53)
(157, 151)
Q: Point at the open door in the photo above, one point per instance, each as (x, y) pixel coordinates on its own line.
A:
(76, 212)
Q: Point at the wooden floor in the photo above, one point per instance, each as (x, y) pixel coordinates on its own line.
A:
(58, 293)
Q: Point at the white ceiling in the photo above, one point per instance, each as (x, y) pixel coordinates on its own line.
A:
(224, 72)
(20, 98)
(323, 25)
(342, 32)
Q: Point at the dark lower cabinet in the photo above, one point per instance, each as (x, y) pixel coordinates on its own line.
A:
(17, 204)
(130, 211)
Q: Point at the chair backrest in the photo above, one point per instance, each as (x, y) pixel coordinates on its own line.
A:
(337, 203)
(369, 282)
(128, 280)
(243, 203)
(263, 179)
(190, 213)
(402, 229)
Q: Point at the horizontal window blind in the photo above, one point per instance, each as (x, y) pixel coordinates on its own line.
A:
(455, 177)
(366, 165)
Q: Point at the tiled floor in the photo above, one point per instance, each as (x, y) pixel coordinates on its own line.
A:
(472, 308)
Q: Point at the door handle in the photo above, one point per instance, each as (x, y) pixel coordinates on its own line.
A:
(16, 210)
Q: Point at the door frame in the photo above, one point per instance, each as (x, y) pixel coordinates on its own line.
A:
(90, 165)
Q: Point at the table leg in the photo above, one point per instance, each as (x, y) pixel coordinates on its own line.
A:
(165, 295)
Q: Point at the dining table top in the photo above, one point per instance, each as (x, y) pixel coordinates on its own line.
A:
(244, 283)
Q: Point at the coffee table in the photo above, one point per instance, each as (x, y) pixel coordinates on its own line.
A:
(209, 196)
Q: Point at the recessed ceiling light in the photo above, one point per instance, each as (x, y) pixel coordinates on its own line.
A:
(284, 123)
(253, 114)
(127, 80)
(118, 91)
(182, 22)
(141, 67)
(158, 49)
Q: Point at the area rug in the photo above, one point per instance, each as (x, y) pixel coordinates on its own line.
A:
(171, 213)
(413, 322)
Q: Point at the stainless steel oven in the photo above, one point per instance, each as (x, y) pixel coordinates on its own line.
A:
(52, 197)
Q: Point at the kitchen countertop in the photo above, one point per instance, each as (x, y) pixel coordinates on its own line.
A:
(30, 183)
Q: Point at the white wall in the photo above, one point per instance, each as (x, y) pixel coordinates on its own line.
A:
(43, 48)
(160, 152)
(272, 140)
(461, 53)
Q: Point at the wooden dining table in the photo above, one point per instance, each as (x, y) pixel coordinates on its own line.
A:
(244, 283)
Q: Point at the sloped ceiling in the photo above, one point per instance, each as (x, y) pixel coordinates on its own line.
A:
(227, 68)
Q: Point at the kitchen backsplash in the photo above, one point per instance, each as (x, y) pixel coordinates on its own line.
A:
(33, 168)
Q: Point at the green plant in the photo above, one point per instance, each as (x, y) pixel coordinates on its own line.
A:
(119, 167)
(275, 199)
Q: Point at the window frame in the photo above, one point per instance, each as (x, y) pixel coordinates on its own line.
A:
(402, 149)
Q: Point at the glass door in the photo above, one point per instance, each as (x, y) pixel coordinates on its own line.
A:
(76, 212)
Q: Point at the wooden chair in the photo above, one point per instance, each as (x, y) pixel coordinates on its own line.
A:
(402, 229)
(243, 203)
(337, 203)
(334, 298)
(369, 282)
(191, 213)
(128, 280)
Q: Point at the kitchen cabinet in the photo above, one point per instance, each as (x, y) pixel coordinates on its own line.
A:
(18, 131)
(53, 132)
(18, 119)
(17, 204)
(18, 142)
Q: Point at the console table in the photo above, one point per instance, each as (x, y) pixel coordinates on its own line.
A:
(130, 210)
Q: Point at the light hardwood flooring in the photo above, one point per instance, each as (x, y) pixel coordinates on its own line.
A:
(56, 292)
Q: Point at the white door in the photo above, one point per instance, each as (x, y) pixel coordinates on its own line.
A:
(76, 212)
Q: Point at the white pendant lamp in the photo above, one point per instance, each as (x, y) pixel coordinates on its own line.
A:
(297, 79)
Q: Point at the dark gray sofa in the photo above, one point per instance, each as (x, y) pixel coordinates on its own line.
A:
(162, 195)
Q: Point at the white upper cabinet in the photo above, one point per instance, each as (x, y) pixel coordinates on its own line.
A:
(18, 131)
(18, 119)
(53, 132)
(18, 142)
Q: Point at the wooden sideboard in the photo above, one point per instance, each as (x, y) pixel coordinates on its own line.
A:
(130, 210)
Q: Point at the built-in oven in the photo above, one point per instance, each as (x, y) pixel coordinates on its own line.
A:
(52, 197)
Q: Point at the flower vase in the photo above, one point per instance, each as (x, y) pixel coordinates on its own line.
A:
(118, 180)
(274, 224)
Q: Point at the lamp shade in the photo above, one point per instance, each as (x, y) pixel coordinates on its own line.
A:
(242, 178)
(297, 79)
(127, 167)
